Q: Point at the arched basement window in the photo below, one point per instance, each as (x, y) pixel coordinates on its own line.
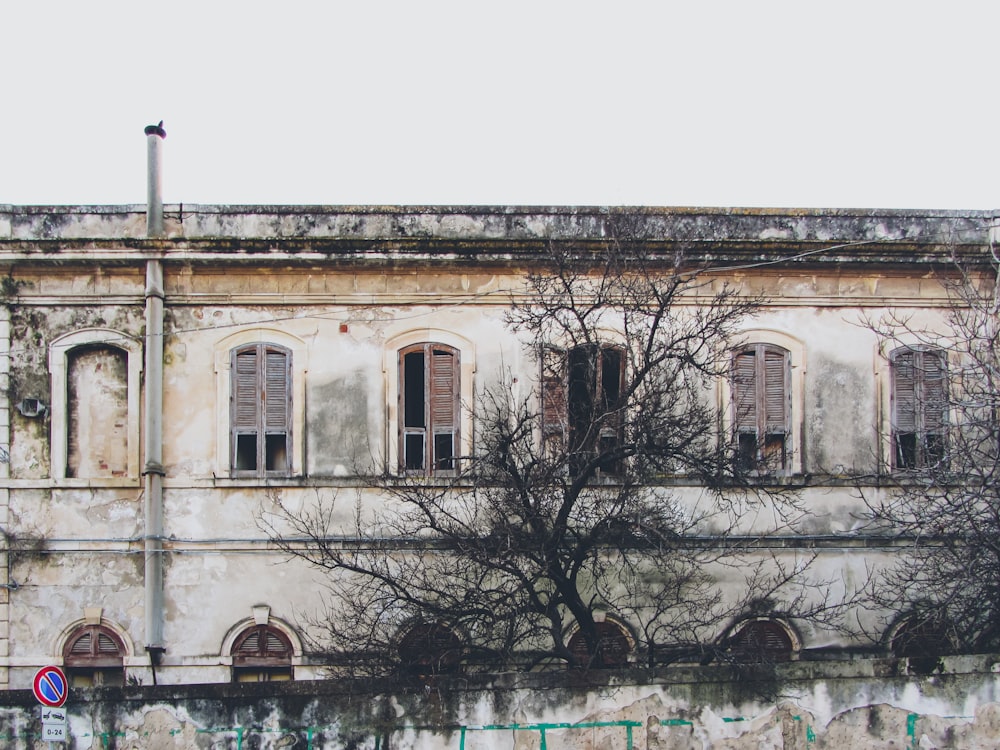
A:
(430, 648)
(761, 641)
(94, 656)
(613, 649)
(262, 653)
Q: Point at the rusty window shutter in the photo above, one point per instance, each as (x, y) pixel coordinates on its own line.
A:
(94, 646)
(262, 645)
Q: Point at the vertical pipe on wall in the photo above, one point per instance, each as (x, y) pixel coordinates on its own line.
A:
(153, 437)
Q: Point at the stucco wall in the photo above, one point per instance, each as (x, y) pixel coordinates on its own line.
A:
(856, 705)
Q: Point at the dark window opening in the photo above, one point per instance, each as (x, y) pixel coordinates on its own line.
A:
(581, 404)
(430, 648)
(761, 641)
(429, 394)
(613, 647)
(919, 410)
(261, 410)
(761, 391)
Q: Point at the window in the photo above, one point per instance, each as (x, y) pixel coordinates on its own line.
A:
(429, 406)
(260, 410)
(761, 641)
(262, 653)
(613, 647)
(94, 656)
(430, 648)
(919, 398)
(96, 376)
(581, 393)
(761, 392)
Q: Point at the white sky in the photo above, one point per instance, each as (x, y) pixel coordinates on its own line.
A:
(805, 103)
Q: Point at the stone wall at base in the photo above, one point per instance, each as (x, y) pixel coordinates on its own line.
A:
(802, 706)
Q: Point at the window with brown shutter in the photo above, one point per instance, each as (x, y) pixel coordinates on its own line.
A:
(262, 653)
(761, 641)
(581, 401)
(430, 648)
(761, 392)
(429, 409)
(94, 655)
(919, 412)
(261, 410)
(613, 647)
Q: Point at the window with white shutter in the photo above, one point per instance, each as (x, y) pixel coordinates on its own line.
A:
(919, 408)
(429, 407)
(261, 410)
(762, 407)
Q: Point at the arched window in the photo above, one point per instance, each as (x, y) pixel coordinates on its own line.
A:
(261, 410)
(581, 392)
(761, 641)
(613, 648)
(94, 655)
(919, 407)
(430, 648)
(262, 653)
(762, 407)
(429, 408)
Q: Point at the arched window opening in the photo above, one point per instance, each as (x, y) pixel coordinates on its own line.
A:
(761, 641)
(581, 394)
(429, 409)
(613, 647)
(761, 392)
(262, 653)
(430, 648)
(919, 408)
(97, 412)
(94, 656)
(261, 410)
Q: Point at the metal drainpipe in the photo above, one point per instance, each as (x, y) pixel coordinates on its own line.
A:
(153, 464)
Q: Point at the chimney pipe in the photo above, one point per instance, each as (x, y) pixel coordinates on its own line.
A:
(154, 192)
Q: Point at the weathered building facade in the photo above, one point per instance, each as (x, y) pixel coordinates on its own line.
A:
(163, 388)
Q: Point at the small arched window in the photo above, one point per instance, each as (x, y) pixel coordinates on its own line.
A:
(761, 641)
(94, 655)
(262, 653)
(613, 648)
(430, 648)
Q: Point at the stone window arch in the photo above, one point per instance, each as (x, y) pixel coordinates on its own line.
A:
(426, 648)
(615, 646)
(94, 656)
(96, 375)
(762, 640)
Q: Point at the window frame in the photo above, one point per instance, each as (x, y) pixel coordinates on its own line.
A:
(395, 342)
(439, 410)
(263, 402)
(98, 664)
(921, 458)
(758, 421)
(261, 664)
(223, 401)
(58, 359)
(567, 402)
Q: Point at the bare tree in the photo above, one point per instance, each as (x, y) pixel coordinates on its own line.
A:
(941, 498)
(604, 510)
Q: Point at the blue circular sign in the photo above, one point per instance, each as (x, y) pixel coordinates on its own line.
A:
(50, 687)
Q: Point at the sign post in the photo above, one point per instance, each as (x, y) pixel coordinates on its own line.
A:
(51, 689)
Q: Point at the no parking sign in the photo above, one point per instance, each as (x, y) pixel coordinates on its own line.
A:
(51, 690)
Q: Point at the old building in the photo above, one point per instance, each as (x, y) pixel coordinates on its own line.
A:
(162, 382)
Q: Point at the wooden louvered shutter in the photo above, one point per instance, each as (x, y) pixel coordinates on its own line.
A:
(933, 396)
(262, 645)
(745, 390)
(276, 379)
(246, 391)
(904, 392)
(444, 393)
(94, 646)
(553, 395)
(776, 389)
(762, 640)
